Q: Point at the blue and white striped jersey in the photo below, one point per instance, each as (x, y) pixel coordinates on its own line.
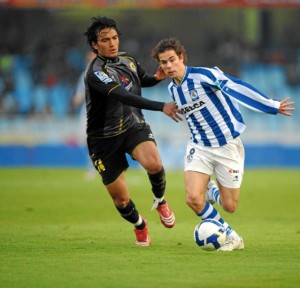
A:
(209, 100)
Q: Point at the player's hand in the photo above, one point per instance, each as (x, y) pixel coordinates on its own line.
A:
(285, 106)
(171, 110)
(160, 74)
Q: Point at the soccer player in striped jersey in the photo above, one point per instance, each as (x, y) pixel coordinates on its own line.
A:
(209, 99)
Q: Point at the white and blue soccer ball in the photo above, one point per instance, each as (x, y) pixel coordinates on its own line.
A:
(210, 234)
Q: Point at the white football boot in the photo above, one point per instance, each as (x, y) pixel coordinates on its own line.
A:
(232, 243)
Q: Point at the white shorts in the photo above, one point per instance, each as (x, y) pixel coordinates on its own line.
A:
(227, 162)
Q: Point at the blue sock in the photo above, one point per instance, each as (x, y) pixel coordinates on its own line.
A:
(210, 212)
(216, 195)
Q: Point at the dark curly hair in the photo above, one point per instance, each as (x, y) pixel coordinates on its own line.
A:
(98, 24)
(169, 44)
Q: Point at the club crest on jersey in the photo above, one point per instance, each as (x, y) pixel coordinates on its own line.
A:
(132, 67)
(103, 77)
(194, 94)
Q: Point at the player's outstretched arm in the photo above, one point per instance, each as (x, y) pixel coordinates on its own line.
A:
(286, 106)
(171, 110)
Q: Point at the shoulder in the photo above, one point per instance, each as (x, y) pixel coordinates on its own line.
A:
(96, 71)
(200, 70)
(96, 65)
(205, 72)
(126, 57)
(96, 68)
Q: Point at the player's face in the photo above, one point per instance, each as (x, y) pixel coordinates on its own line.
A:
(172, 64)
(107, 43)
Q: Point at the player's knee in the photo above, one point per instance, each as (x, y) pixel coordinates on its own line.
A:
(195, 203)
(120, 200)
(120, 203)
(153, 167)
(229, 207)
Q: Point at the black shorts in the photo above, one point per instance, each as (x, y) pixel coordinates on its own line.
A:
(109, 154)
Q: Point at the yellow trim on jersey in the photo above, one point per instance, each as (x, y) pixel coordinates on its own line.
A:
(114, 88)
(121, 124)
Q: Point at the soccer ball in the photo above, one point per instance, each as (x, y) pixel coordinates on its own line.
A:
(210, 234)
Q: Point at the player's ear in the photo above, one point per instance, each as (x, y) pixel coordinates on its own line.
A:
(181, 57)
(95, 45)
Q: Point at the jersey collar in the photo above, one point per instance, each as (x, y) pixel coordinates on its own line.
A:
(187, 71)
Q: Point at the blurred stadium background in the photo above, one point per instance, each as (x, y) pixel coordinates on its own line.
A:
(42, 54)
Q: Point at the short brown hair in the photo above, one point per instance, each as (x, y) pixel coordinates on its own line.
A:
(169, 44)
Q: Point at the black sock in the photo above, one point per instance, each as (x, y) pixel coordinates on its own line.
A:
(141, 226)
(158, 183)
(129, 213)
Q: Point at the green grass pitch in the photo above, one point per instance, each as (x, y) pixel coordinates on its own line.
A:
(59, 230)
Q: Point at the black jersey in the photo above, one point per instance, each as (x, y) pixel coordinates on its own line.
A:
(113, 95)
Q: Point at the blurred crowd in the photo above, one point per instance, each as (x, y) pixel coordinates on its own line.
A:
(41, 61)
(38, 84)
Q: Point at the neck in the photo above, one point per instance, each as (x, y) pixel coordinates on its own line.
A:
(109, 59)
(178, 79)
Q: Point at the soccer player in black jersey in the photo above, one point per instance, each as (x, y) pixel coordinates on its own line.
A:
(116, 126)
